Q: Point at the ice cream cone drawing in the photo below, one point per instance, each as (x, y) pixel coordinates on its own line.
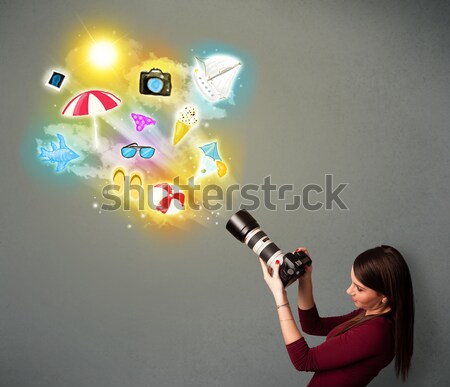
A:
(187, 119)
(180, 131)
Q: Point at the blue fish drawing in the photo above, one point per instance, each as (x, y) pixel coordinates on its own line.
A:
(62, 155)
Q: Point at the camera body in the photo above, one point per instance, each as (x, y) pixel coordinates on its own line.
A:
(293, 267)
(246, 229)
(155, 82)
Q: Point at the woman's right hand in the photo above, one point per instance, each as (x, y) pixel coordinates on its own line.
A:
(305, 299)
(307, 276)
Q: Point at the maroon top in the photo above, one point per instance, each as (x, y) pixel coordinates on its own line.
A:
(353, 358)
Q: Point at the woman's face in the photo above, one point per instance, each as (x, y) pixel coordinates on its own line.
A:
(364, 297)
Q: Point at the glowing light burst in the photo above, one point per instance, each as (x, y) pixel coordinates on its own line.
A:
(103, 54)
(148, 120)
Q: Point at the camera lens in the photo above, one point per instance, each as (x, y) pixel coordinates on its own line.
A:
(155, 85)
(246, 229)
(240, 224)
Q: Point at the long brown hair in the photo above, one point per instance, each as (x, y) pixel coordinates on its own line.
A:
(357, 320)
(384, 270)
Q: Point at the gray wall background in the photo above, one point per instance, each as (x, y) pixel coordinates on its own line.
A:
(363, 94)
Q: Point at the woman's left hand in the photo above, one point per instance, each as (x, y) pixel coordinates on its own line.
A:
(273, 280)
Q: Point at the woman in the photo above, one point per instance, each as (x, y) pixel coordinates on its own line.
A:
(361, 343)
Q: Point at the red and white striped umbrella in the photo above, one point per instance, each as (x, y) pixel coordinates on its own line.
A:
(91, 103)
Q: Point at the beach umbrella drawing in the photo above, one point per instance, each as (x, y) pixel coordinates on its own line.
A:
(91, 103)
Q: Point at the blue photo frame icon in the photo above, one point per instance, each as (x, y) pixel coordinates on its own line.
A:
(56, 80)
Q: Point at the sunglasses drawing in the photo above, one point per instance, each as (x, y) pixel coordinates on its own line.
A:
(129, 151)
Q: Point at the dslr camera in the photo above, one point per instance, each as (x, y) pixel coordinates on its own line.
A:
(245, 228)
(155, 82)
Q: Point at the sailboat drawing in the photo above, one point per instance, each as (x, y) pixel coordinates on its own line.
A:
(214, 76)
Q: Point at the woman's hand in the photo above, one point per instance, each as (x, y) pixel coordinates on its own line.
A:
(273, 280)
(308, 269)
(305, 299)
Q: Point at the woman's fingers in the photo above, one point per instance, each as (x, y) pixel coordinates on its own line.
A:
(264, 268)
(302, 249)
(263, 265)
(268, 271)
(276, 270)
